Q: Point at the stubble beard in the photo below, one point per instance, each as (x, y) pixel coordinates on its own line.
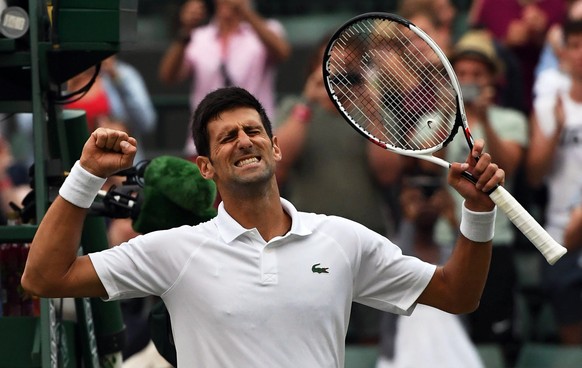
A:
(252, 185)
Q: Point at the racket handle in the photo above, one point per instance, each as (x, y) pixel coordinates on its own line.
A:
(539, 237)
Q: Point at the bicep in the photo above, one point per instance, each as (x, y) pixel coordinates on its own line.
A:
(457, 286)
(82, 280)
(434, 291)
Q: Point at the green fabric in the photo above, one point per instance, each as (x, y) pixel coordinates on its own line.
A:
(176, 194)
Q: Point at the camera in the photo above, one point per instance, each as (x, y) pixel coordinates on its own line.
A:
(428, 184)
(470, 92)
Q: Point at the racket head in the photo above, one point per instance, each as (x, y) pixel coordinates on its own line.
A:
(393, 84)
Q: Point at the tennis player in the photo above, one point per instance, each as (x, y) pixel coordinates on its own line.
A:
(262, 284)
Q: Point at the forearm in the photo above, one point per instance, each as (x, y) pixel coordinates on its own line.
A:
(539, 159)
(457, 286)
(171, 66)
(538, 165)
(53, 268)
(466, 273)
(278, 47)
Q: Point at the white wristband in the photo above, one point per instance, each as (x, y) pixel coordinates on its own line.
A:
(81, 187)
(478, 226)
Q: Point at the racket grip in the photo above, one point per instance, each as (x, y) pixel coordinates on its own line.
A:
(539, 237)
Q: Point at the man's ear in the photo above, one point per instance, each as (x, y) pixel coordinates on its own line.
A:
(205, 167)
(276, 150)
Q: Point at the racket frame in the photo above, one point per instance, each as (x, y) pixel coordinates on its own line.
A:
(460, 118)
(550, 249)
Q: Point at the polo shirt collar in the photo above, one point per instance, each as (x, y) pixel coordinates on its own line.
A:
(229, 229)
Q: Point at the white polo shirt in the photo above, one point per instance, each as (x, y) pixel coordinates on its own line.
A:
(238, 301)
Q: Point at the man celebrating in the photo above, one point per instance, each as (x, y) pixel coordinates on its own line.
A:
(243, 289)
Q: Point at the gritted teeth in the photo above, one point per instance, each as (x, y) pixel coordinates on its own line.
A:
(247, 161)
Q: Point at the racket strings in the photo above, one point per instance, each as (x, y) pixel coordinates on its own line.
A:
(426, 68)
(392, 84)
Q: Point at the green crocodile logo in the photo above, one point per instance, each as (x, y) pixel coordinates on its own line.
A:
(316, 269)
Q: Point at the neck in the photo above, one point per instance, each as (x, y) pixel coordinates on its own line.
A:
(261, 210)
(226, 28)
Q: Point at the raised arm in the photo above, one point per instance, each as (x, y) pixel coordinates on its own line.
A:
(134, 97)
(457, 286)
(542, 148)
(279, 48)
(172, 68)
(293, 130)
(53, 268)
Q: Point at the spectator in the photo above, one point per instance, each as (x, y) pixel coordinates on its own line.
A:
(554, 42)
(321, 147)
(551, 79)
(521, 27)
(238, 47)
(119, 93)
(505, 133)
(442, 14)
(551, 73)
(94, 101)
(556, 160)
(128, 97)
(11, 189)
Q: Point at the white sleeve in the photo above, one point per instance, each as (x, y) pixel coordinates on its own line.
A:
(142, 266)
(384, 278)
(389, 280)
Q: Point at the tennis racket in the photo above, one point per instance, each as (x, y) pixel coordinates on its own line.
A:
(394, 85)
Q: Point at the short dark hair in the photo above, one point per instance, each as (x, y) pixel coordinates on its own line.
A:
(572, 27)
(217, 102)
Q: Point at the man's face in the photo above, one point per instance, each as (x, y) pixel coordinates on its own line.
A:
(226, 10)
(241, 152)
(471, 71)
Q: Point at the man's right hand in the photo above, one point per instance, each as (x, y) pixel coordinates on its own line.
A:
(108, 151)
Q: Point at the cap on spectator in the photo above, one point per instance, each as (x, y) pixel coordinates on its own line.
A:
(478, 45)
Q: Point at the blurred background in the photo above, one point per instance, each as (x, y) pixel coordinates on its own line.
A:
(305, 22)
